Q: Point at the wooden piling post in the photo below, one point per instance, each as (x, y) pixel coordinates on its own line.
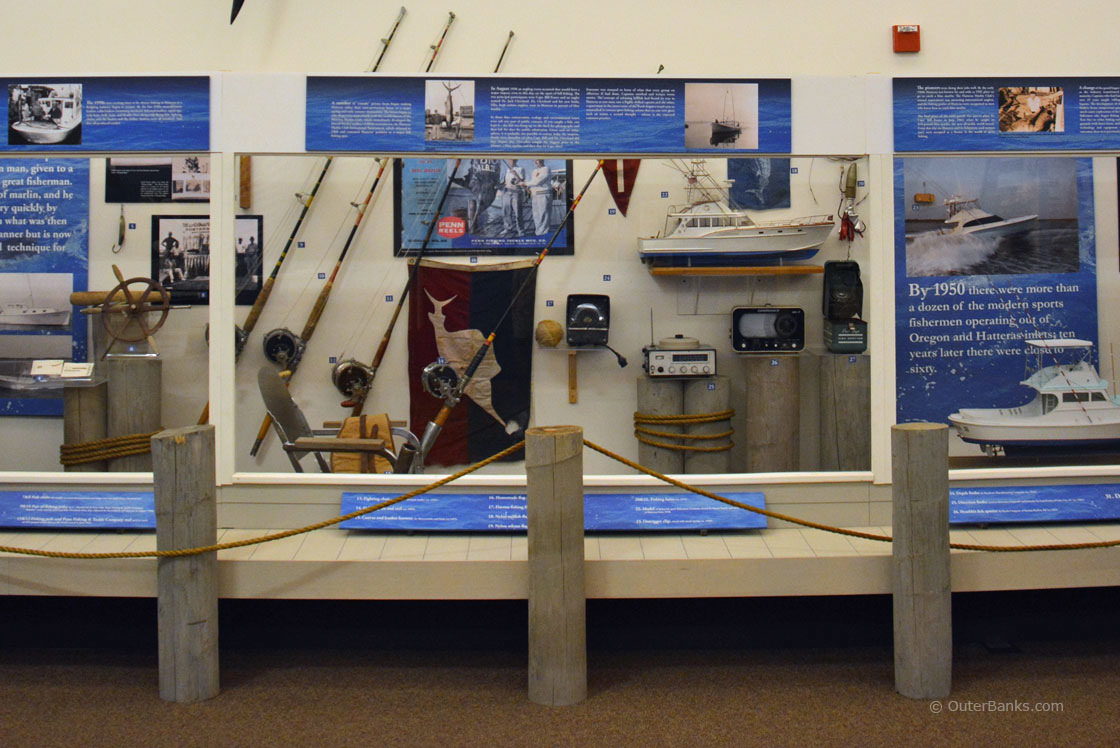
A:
(134, 398)
(186, 517)
(557, 599)
(83, 420)
(661, 397)
(923, 625)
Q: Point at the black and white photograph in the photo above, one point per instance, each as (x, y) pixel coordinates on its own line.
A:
(721, 115)
(44, 114)
(181, 257)
(449, 110)
(1032, 109)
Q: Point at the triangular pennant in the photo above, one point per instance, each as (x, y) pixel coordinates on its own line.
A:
(621, 176)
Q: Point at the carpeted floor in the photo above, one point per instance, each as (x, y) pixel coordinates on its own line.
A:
(383, 691)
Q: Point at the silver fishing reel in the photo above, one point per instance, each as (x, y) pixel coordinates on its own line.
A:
(440, 380)
(351, 377)
(240, 337)
(283, 347)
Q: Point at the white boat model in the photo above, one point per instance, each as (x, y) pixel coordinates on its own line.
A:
(709, 231)
(965, 216)
(21, 314)
(1071, 408)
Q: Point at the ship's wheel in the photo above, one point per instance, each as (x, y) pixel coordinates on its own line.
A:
(134, 309)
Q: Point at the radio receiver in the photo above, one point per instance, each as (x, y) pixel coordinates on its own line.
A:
(679, 356)
(767, 329)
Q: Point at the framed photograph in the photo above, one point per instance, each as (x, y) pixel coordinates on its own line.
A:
(158, 179)
(181, 257)
(509, 206)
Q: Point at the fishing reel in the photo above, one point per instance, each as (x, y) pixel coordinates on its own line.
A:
(440, 380)
(352, 378)
(283, 347)
(240, 338)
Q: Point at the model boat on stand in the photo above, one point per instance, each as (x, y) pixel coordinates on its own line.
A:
(1072, 408)
(967, 217)
(709, 231)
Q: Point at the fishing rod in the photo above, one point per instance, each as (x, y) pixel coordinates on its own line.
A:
(443, 382)
(439, 43)
(351, 377)
(282, 346)
(306, 200)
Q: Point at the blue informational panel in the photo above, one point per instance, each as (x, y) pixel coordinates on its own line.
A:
(162, 113)
(507, 512)
(78, 509)
(547, 115)
(1078, 503)
(968, 296)
(1006, 114)
(44, 257)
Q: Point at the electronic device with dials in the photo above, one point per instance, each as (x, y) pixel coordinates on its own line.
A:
(767, 329)
(679, 356)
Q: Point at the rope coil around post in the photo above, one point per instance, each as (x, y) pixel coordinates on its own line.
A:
(641, 433)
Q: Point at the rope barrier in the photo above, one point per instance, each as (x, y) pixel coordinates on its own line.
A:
(838, 530)
(276, 535)
(509, 450)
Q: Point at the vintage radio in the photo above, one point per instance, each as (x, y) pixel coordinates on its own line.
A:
(679, 356)
(589, 319)
(767, 329)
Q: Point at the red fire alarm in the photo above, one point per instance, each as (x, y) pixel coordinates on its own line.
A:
(907, 38)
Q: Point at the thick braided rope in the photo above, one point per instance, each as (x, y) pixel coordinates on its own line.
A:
(97, 450)
(839, 530)
(277, 535)
(642, 434)
(687, 418)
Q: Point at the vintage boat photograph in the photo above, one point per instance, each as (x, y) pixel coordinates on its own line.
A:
(1072, 408)
(41, 114)
(721, 115)
(708, 229)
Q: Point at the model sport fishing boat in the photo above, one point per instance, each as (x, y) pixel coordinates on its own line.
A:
(1071, 408)
(709, 231)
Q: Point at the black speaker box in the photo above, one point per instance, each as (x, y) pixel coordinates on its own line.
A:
(588, 318)
(843, 290)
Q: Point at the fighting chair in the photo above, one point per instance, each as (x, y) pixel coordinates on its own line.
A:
(362, 444)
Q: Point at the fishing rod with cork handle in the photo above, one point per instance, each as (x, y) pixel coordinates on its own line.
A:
(306, 200)
(443, 382)
(282, 346)
(351, 377)
(287, 352)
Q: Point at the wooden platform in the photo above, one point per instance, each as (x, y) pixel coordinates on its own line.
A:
(342, 564)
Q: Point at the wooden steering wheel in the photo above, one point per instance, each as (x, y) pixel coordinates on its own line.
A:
(128, 308)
